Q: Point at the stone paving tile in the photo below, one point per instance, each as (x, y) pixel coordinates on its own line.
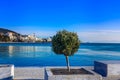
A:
(28, 79)
(111, 78)
(29, 73)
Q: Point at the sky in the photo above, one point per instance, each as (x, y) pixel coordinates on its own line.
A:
(92, 20)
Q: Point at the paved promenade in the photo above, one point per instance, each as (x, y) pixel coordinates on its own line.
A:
(29, 73)
(37, 73)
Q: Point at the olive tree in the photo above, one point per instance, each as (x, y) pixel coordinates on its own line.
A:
(66, 43)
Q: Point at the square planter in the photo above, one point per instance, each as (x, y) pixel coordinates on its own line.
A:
(90, 76)
(6, 71)
(107, 68)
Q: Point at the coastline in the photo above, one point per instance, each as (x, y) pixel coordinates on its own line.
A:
(50, 42)
(25, 42)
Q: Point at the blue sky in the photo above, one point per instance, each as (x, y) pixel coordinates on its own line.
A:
(93, 20)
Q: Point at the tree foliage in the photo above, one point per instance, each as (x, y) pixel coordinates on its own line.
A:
(4, 38)
(65, 42)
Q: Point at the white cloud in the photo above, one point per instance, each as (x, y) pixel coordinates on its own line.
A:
(109, 36)
(99, 32)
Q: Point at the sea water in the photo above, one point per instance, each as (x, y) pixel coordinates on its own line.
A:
(41, 54)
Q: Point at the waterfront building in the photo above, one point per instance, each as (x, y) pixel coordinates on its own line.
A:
(49, 39)
(10, 35)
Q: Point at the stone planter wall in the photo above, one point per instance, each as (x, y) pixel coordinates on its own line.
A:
(49, 76)
(107, 68)
(6, 71)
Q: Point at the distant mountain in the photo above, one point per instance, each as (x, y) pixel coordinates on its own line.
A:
(6, 30)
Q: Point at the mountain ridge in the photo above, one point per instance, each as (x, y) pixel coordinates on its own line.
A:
(3, 30)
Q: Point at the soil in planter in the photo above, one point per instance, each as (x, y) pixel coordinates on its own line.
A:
(72, 71)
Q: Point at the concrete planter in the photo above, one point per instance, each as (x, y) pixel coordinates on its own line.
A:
(6, 71)
(49, 76)
(107, 68)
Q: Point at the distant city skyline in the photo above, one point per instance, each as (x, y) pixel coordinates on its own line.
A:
(93, 20)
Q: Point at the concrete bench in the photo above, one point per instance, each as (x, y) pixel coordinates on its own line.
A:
(6, 71)
(107, 68)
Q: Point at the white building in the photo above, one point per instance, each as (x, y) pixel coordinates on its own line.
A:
(10, 35)
(49, 39)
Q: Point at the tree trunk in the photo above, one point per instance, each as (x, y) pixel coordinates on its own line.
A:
(67, 61)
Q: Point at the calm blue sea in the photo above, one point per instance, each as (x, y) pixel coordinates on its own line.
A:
(40, 54)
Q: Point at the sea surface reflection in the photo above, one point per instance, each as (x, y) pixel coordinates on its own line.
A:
(39, 54)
